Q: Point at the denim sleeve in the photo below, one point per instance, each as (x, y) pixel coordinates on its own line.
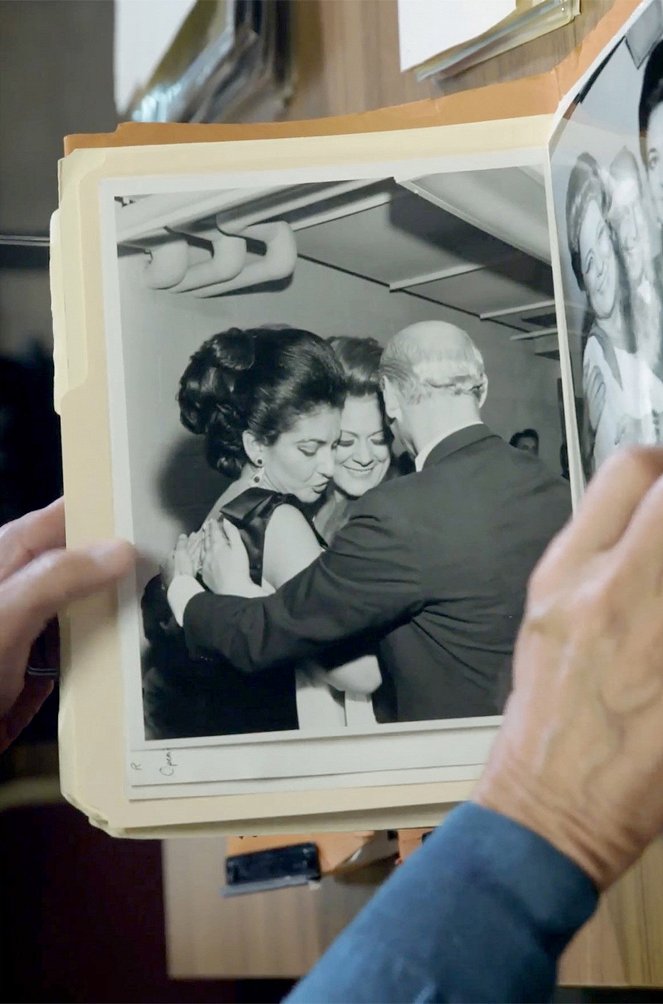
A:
(481, 912)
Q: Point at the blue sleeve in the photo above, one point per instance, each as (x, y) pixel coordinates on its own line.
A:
(481, 912)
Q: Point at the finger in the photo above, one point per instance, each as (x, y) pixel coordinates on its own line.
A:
(640, 550)
(232, 533)
(59, 577)
(613, 496)
(214, 533)
(29, 536)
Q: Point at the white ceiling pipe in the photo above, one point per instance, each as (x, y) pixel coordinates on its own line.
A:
(226, 259)
(154, 214)
(277, 263)
(166, 264)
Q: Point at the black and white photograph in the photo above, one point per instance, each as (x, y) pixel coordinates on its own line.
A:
(339, 447)
(607, 164)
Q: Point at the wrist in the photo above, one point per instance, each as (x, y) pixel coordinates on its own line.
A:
(180, 591)
(550, 809)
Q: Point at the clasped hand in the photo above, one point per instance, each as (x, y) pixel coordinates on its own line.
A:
(216, 554)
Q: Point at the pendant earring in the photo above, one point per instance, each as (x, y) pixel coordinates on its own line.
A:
(257, 477)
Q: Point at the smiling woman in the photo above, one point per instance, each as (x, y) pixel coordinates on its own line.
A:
(363, 453)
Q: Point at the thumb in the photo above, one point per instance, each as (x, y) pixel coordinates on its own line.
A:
(58, 577)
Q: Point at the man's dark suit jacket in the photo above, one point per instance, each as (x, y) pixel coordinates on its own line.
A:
(436, 563)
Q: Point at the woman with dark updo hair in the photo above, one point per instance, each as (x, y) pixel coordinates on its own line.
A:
(268, 403)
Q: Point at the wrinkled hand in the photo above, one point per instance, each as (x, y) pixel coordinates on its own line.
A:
(579, 757)
(38, 577)
(225, 563)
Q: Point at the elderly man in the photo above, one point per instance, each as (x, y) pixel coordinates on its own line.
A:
(433, 565)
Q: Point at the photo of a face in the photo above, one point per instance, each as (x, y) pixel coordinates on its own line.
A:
(598, 262)
(608, 194)
(362, 454)
(302, 460)
(628, 217)
(654, 159)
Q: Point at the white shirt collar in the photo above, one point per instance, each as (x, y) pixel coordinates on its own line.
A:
(427, 449)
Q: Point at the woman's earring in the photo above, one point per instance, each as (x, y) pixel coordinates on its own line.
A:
(257, 477)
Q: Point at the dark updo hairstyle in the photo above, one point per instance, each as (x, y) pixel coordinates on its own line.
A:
(259, 380)
(585, 185)
(360, 361)
(651, 95)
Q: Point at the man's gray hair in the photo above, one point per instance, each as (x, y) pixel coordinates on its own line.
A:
(432, 356)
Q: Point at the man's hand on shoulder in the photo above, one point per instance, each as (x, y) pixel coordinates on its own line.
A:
(38, 577)
(579, 758)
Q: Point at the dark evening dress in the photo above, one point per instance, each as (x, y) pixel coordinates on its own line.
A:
(185, 697)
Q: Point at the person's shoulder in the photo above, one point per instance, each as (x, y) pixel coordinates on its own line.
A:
(387, 498)
(287, 518)
(544, 483)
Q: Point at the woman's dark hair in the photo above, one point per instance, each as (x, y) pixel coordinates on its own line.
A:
(256, 379)
(651, 95)
(585, 185)
(360, 360)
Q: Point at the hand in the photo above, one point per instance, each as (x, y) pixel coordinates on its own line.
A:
(38, 577)
(579, 757)
(184, 559)
(194, 548)
(225, 564)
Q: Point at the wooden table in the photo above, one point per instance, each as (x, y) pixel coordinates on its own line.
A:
(280, 934)
(277, 934)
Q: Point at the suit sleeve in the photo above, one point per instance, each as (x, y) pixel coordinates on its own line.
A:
(368, 580)
(490, 907)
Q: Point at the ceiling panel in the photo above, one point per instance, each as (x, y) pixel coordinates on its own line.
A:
(400, 240)
(518, 283)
